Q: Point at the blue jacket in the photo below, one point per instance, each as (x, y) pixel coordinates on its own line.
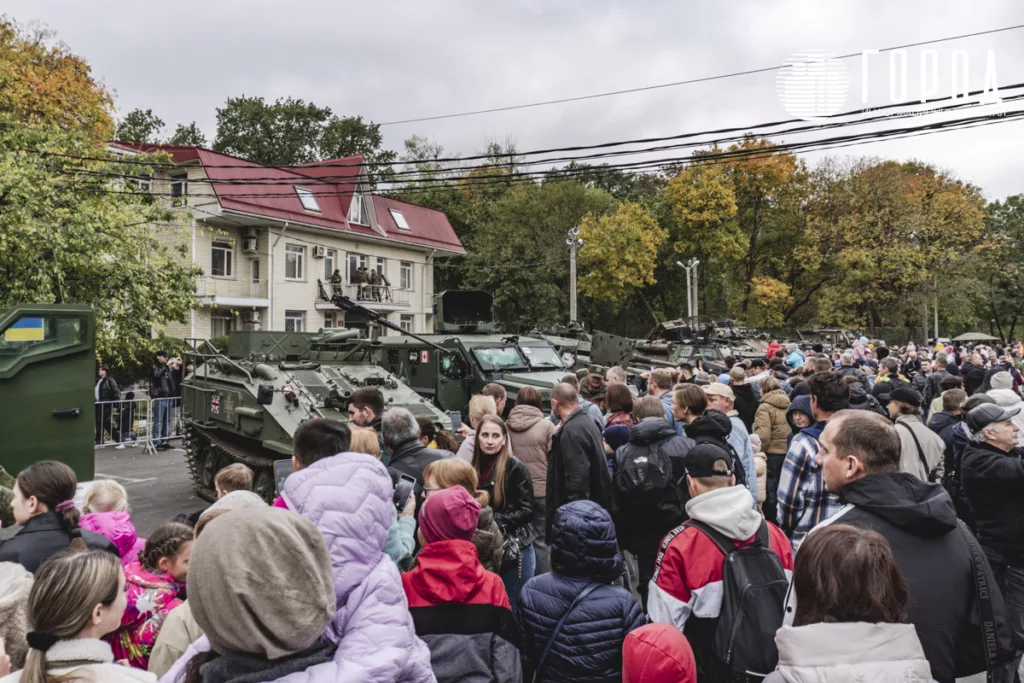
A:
(584, 550)
(794, 359)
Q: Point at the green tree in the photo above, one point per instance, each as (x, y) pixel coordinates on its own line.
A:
(140, 127)
(999, 265)
(291, 131)
(68, 236)
(619, 253)
(189, 136)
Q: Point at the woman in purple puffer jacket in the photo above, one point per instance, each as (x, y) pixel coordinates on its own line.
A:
(348, 498)
(105, 512)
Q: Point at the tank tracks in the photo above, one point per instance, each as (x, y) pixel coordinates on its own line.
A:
(223, 454)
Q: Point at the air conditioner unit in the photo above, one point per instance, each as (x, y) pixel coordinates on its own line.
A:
(250, 232)
(252, 316)
(249, 245)
(319, 252)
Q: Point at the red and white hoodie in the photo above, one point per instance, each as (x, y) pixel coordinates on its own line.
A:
(688, 572)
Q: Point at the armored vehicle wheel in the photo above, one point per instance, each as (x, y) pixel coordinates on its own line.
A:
(263, 484)
(209, 464)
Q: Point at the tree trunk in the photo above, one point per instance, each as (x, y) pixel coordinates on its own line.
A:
(751, 258)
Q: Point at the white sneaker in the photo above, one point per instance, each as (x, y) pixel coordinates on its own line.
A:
(119, 447)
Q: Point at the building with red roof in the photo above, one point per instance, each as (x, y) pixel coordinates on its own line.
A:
(264, 235)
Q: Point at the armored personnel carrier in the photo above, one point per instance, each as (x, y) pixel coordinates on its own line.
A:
(246, 409)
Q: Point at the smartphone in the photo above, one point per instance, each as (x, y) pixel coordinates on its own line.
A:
(456, 418)
(282, 468)
(403, 490)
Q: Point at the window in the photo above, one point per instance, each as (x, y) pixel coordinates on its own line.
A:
(43, 337)
(255, 269)
(355, 211)
(179, 185)
(222, 260)
(382, 266)
(294, 321)
(221, 322)
(308, 199)
(405, 322)
(330, 261)
(355, 262)
(405, 275)
(331, 320)
(146, 182)
(294, 262)
(400, 219)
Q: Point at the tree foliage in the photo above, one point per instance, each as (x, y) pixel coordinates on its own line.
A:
(187, 135)
(619, 252)
(43, 83)
(140, 127)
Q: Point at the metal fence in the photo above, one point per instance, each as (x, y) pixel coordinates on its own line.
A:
(131, 422)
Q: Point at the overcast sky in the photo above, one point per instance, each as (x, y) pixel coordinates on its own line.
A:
(394, 60)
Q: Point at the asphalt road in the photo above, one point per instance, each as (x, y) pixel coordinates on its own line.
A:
(158, 485)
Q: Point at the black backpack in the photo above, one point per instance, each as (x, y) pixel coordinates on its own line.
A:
(754, 588)
(643, 479)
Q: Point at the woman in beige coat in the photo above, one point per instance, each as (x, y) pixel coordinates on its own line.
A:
(771, 425)
(530, 435)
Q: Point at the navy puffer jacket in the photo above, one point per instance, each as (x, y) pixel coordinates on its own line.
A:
(588, 649)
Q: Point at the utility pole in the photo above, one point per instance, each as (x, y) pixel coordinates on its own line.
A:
(936, 307)
(691, 286)
(693, 264)
(574, 241)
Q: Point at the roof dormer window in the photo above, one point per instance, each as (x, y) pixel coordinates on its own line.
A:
(307, 198)
(355, 211)
(399, 219)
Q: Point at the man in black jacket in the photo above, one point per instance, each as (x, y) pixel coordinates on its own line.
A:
(643, 517)
(161, 390)
(993, 478)
(973, 373)
(860, 458)
(106, 391)
(848, 367)
(577, 469)
(401, 434)
(745, 401)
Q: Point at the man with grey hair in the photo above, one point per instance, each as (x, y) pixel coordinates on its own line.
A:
(617, 375)
(744, 400)
(847, 366)
(993, 478)
(401, 434)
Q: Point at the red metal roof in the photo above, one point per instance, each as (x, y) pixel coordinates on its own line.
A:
(274, 196)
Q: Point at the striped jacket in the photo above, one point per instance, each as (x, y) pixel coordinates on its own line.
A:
(803, 500)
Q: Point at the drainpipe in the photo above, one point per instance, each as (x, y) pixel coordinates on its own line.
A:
(270, 284)
(426, 263)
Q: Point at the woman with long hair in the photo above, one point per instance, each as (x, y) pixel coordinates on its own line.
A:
(77, 598)
(510, 493)
(44, 506)
(851, 602)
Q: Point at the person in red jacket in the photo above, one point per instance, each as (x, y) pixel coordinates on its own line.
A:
(687, 587)
(460, 609)
(657, 653)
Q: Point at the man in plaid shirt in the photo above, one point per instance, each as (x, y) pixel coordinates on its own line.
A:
(803, 500)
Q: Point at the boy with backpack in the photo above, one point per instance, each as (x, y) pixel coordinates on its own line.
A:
(721, 577)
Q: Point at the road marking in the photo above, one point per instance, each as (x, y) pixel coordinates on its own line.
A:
(127, 480)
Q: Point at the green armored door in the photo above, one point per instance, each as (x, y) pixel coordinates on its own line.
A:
(47, 375)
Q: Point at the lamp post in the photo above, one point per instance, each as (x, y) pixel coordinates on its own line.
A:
(691, 285)
(574, 241)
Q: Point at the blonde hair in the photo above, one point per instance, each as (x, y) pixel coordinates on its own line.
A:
(67, 588)
(364, 440)
(105, 495)
(234, 477)
(479, 406)
(449, 472)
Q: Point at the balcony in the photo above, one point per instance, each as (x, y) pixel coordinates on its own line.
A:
(377, 297)
(232, 292)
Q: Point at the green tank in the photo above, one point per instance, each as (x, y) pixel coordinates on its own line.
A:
(47, 375)
(246, 409)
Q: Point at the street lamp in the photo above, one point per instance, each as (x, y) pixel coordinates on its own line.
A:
(691, 285)
(573, 241)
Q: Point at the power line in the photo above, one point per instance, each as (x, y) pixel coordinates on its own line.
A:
(674, 84)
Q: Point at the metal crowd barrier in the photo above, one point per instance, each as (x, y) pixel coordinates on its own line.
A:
(132, 422)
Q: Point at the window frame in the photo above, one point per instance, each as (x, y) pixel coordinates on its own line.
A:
(293, 317)
(179, 185)
(361, 260)
(331, 320)
(229, 319)
(399, 218)
(330, 257)
(227, 246)
(357, 201)
(298, 251)
(409, 318)
(403, 267)
(305, 194)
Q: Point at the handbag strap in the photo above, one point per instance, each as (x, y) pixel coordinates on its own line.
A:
(983, 595)
(558, 628)
(920, 451)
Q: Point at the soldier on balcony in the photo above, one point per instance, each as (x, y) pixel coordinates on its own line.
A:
(336, 281)
(360, 279)
(375, 285)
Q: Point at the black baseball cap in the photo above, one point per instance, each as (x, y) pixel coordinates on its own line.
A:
(162, 354)
(911, 397)
(986, 414)
(700, 461)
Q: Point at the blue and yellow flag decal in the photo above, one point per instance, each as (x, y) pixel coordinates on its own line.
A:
(25, 329)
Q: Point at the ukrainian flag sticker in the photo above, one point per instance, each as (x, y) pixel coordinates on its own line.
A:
(25, 329)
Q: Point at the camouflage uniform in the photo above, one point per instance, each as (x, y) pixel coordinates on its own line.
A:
(593, 394)
(6, 498)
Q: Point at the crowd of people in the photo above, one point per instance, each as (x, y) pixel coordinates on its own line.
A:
(855, 516)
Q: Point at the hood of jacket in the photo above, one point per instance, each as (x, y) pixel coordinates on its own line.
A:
(801, 403)
(583, 542)
(488, 540)
(852, 653)
(858, 393)
(348, 497)
(447, 571)
(904, 501)
(712, 425)
(729, 511)
(657, 653)
(522, 417)
(777, 398)
(1005, 398)
(117, 526)
(942, 420)
(651, 430)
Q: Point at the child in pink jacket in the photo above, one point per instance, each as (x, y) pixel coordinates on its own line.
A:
(154, 584)
(105, 512)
